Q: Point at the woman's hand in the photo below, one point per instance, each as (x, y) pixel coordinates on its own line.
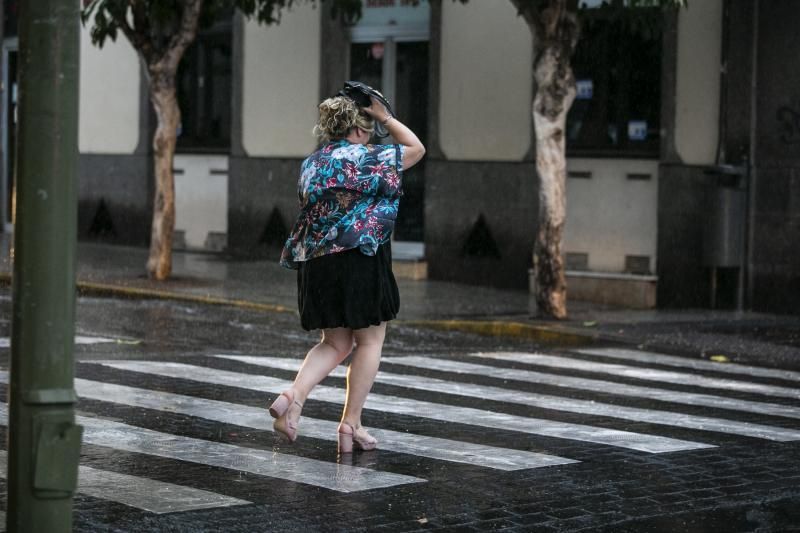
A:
(377, 110)
(414, 149)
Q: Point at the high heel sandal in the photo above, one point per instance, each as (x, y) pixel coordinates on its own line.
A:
(280, 409)
(281, 403)
(351, 437)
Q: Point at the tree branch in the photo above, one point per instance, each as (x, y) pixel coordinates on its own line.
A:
(185, 36)
(140, 19)
(554, 17)
(527, 11)
(136, 35)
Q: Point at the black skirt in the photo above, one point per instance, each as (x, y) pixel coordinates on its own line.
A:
(347, 290)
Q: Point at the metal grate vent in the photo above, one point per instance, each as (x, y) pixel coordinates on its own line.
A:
(637, 264)
(577, 261)
(178, 239)
(634, 176)
(579, 174)
(216, 241)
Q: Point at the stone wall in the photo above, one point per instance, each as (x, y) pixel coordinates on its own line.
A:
(263, 203)
(770, 117)
(480, 221)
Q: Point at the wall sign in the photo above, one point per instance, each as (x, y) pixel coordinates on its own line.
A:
(637, 130)
(584, 89)
(400, 19)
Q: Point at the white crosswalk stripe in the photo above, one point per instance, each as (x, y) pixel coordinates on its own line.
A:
(596, 385)
(147, 494)
(558, 403)
(258, 418)
(5, 342)
(696, 364)
(647, 374)
(337, 477)
(436, 411)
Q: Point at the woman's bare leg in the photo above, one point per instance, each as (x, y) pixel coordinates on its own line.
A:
(335, 346)
(362, 371)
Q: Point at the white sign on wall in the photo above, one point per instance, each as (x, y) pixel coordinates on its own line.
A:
(584, 89)
(392, 18)
(637, 130)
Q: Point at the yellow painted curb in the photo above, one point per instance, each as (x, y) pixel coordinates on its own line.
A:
(550, 335)
(85, 288)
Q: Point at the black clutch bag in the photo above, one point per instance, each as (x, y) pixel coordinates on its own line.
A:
(361, 94)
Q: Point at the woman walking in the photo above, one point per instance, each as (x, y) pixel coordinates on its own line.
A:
(349, 193)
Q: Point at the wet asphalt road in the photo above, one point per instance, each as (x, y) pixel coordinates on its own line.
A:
(587, 446)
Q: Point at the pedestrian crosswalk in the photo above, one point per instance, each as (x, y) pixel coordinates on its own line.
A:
(473, 390)
(5, 342)
(341, 478)
(603, 386)
(557, 403)
(685, 362)
(148, 494)
(648, 374)
(422, 409)
(252, 417)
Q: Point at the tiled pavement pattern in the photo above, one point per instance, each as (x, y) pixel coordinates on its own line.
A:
(147, 494)
(310, 473)
(195, 419)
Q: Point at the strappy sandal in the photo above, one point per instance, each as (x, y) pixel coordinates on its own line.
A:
(281, 403)
(279, 410)
(350, 437)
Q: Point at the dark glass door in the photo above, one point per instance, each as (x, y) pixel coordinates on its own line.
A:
(408, 67)
(411, 104)
(205, 91)
(366, 63)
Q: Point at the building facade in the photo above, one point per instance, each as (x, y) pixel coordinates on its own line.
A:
(683, 187)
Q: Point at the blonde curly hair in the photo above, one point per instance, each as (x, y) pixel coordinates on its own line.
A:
(339, 115)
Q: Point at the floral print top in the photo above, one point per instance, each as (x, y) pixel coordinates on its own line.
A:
(349, 195)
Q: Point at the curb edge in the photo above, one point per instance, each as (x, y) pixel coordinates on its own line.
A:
(85, 288)
(493, 328)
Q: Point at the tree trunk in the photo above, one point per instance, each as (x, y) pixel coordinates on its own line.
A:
(162, 69)
(162, 94)
(554, 96)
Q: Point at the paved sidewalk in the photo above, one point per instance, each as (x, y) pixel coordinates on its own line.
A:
(756, 338)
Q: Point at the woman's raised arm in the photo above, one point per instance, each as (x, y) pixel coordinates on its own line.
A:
(414, 149)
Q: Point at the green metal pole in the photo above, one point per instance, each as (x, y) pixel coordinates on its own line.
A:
(44, 442)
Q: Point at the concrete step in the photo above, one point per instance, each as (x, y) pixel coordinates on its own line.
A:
(634, 291)
(408, 260)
